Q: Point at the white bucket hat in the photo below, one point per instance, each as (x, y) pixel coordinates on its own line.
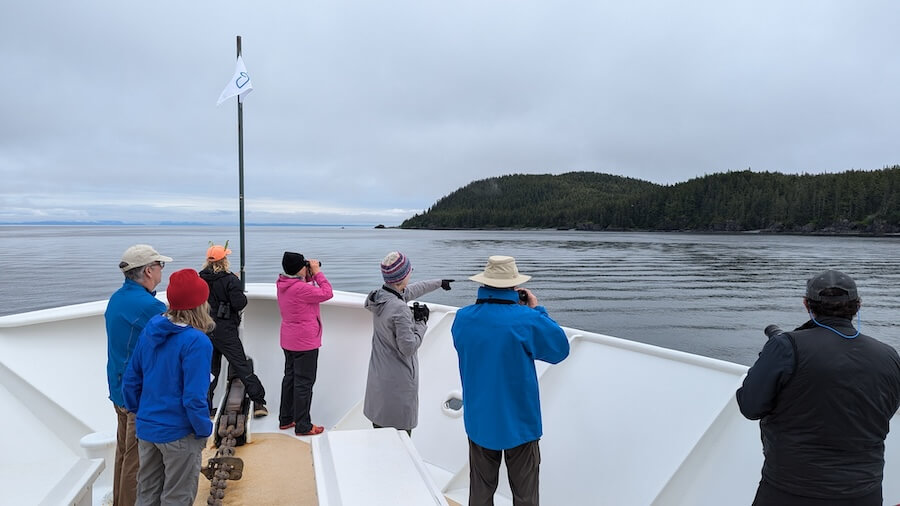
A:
(501, 272)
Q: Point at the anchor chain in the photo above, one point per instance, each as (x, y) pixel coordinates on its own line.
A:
(223, 468)
(224, 465)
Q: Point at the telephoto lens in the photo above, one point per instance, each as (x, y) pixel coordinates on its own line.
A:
(772, 331)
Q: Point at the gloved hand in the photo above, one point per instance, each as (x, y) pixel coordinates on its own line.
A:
(445, 283)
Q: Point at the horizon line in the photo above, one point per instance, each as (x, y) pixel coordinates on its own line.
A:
(108, 223)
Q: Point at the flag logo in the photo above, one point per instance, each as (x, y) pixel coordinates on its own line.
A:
(242, 80)
(239, 85)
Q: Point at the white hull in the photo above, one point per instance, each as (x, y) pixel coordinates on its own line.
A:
(624, 423)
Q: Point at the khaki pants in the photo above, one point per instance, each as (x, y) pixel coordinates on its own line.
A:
(522, 465)
(127, 462)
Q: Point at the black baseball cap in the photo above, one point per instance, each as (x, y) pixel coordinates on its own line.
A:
(830, 279)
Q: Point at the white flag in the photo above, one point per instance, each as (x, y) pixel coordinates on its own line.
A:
(239, 85)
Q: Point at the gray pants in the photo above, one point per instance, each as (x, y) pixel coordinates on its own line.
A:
(169, 472)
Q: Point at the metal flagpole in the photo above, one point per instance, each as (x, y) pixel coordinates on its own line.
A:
(241, 172)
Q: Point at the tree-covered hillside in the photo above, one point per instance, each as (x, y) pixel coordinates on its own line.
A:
(849, 202)
(521, 200)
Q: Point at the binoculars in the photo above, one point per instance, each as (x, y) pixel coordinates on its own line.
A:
(420, 312)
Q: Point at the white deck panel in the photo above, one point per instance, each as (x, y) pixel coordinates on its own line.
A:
(40, 465)
(65, 361)
(628, 430)
(33, 458)
(377, 467)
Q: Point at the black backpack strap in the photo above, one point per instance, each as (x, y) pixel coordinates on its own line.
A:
(494, 301)
(395, 292)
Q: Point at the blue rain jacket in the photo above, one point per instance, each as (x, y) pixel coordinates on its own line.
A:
(497, 344)
(166, 382)
(128, 310)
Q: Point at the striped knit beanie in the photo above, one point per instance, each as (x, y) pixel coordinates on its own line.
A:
(395, 267)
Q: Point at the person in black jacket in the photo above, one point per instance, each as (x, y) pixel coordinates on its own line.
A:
(824, 394)
(226, 301)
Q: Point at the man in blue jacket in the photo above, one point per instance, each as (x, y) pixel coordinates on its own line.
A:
(824, 395)
(498, 339)
(128, 311)
(165, 385)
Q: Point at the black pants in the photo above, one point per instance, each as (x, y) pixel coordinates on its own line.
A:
(767, 495)
(239, 366)
(522, 465)
(296, 388)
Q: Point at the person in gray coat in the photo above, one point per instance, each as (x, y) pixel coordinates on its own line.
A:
(392, 386)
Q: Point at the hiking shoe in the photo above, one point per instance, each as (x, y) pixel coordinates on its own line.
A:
(259, 410)
(287, 426)
(316, 430)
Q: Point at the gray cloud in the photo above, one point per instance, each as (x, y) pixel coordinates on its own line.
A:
(369, 112)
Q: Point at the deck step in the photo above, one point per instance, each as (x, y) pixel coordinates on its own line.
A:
(372, 467)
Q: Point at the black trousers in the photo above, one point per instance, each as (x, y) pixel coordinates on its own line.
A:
(239, 366)
(296, 388)
(767, 495)
(522, 465)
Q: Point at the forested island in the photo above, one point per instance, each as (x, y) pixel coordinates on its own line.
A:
(852, 202)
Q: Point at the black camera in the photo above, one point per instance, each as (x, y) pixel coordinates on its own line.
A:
(224, 311)
(420, 312)
(523, 295)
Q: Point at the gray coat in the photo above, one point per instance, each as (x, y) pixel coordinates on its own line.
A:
(392, 387)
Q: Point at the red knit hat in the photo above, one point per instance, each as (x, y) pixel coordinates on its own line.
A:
(186, 290)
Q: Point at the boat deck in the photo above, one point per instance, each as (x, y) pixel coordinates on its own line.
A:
(371, 467)
(278, 469)
(624, 422)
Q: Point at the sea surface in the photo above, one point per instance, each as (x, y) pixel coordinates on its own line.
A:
(705, 294)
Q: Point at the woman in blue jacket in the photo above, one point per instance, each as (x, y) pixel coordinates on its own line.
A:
(166, 384)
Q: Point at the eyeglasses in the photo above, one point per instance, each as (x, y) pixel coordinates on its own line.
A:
(160, 264)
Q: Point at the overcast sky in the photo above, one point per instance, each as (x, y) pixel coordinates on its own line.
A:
(368, 112)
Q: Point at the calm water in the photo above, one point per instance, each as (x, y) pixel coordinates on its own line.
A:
(705, 294)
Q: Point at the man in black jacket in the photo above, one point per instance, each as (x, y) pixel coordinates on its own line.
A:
(824, 395)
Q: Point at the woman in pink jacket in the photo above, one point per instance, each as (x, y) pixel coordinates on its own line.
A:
(301, 289)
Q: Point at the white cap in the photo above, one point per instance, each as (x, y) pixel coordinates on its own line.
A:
(140, 255)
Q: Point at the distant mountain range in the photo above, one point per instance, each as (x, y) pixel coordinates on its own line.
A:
(177, 224)
(104, 223)
(852, 202)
